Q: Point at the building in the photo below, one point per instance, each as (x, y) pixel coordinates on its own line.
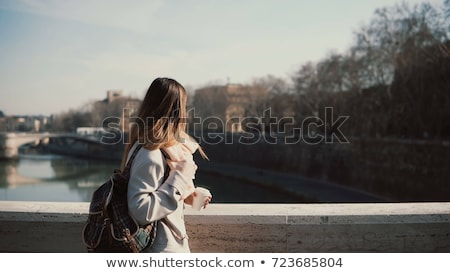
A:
(229, 105)
(116, 105)
(222, 105)
(32, 123)
(2, 122)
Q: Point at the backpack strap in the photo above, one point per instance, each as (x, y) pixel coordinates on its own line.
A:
(167, 170)
(130, 161)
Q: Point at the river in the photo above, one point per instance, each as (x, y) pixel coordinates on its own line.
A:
(66, 179)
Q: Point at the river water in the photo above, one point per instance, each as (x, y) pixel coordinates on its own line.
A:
(65, 179)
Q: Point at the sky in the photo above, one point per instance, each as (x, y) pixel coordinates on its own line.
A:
(57, 55)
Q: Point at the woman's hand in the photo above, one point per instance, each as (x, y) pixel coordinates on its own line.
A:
(190, 199)
(186, 167)
(207, 201)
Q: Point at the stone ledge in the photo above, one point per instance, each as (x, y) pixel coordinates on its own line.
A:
(364, 213)
(358, 227)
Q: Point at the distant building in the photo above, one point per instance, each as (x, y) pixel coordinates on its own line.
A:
(222, 105)
(33, 124)
(117, 105)
(90, 131)
(112, 95)
(2, 122)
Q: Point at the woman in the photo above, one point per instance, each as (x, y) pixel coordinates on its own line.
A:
(153, 193)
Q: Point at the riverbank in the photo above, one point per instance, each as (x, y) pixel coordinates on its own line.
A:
(304, 189)
(398, 169)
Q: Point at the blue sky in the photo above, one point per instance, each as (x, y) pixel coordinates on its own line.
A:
(60, 55)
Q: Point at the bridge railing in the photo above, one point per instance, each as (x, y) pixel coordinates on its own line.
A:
(10, 142)
(229, 228)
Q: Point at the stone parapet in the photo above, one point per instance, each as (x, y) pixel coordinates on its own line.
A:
(248, 228)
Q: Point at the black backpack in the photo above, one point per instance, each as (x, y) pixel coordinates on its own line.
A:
(109, 227)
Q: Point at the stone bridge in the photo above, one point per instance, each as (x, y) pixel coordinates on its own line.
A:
(88, 146)
(10, 142)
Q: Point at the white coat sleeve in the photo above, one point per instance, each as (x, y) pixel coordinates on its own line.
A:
(146, 202)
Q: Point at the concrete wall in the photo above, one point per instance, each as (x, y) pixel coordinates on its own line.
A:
(227, 228)
(399, 170)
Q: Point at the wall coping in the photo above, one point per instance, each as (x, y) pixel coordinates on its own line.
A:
(224, 227)
(342, 213)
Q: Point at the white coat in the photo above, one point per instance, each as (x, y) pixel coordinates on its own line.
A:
(151, 198)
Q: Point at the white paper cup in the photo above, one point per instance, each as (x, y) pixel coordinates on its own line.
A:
(199, 200)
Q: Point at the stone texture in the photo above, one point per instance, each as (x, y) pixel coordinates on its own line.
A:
(243, 228)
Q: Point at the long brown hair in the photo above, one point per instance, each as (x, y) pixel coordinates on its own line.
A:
(161, 118)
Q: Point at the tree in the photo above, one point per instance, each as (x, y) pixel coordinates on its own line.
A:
(391, 31)
(393, 81)
(70, 120)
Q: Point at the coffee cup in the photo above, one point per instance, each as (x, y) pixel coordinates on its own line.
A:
(200, 198)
